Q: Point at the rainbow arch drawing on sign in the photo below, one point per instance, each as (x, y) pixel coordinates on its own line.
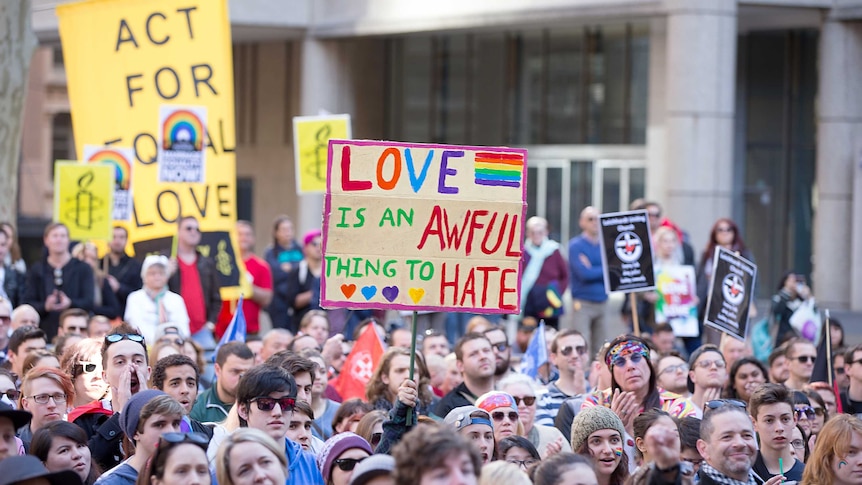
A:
(122, 166)
(183, 125)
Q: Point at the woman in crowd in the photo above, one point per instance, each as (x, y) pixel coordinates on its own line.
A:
(179, 459)
(61, 445)
(547, 439)
(13, 257)
(800, 446)
(283, 255)
(642, 424)
(725, 234)
(8, 390)
(83, 363)
(746, 375)
(836, 460)
(804, 412)
(340, 455)
(248, 455)
(370, 427)
(565, 469)
(821, 415)
(519, 451)
(598, 433)
(154, 303)
(546, 274)
(349, 414)
(162, 349)
(58, 281)
(633, 384)
(382, 390)
(504, 414)
(104, 299)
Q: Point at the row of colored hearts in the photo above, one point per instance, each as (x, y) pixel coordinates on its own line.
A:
(388, 292)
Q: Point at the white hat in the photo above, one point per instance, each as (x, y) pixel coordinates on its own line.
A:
(154, 259)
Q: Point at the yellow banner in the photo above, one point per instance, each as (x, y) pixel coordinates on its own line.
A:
(127, 63)
(311, 135)
(84, 199)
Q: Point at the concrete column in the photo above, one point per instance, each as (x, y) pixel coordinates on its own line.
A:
(838, 222)
(656, 134)
(699, 100)
(322, 73)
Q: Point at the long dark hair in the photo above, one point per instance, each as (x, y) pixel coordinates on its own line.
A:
(621, 473)
(737, 245)
(734, 369)
(653, 398)
(43, 440)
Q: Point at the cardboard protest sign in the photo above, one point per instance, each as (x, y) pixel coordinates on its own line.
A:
(311, 135)
(121, 159)
(730, 293)
(125, 60)
(423, 227)
(677, 297)
(181, 143)
(84, 199)
(626, 251)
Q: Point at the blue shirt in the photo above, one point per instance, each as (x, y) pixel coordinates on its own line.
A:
(301, 466)
(586, 283)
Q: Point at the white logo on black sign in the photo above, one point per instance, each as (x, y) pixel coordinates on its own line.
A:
(733, 289)
(628, 247)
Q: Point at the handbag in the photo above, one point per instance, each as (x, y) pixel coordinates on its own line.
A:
(806, 321)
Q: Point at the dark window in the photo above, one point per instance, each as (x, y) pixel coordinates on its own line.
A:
(244, 204)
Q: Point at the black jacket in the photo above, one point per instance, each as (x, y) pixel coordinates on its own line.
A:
(78, 285)
(105, 438)
(460, 396)
(13, 285)
(128, 273)
(209, 284)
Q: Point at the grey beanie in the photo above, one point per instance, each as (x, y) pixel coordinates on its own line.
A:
(593, 419)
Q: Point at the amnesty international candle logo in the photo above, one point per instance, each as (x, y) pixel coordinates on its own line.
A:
(181, 152)
(83, 199)
(628, 247)
(423, 227)
(311, 135)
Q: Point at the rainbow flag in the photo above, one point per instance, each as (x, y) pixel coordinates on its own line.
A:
(499, 169)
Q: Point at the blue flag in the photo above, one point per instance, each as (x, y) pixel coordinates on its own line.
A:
(235, 329)
(536, 354)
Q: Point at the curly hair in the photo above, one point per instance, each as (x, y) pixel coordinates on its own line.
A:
(159, 374)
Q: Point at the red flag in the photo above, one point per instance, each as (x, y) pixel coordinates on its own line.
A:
(360, 365)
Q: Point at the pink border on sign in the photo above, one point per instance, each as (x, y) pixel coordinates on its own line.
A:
(327, 206)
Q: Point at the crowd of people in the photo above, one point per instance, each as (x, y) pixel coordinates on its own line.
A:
(105, 380)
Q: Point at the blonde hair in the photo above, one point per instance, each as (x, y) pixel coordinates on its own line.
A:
(498, 472)
(245, 435)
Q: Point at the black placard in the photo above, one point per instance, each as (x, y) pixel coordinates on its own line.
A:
(626, 251)
(730, 291)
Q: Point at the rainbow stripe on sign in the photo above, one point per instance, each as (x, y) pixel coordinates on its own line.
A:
(122, 167)
(499, 169)
(183, 126)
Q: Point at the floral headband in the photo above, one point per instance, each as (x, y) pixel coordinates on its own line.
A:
(624, 349)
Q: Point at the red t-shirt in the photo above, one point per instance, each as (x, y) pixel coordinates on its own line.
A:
(193, 294)
(259, 269)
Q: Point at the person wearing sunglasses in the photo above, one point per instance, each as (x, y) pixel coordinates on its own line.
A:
(504, 413)
(9, 393)
(340, 455)
(771, 409)
(249, 456)
(83, 363)
(805, 414)
(179, 459)
(126, 372)
(45, 392)
(547, 439)
(145, 417)
(633, 385)
(265, 400)
(569, 354)
(801, 355)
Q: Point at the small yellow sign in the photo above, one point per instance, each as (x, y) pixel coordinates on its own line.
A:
(84, 199)
(311, 135)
